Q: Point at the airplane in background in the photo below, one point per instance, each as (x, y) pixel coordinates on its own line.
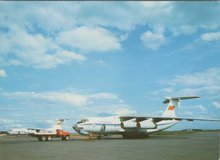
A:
(134, 126)
(57, 126)
(18, 131)
(32, 131)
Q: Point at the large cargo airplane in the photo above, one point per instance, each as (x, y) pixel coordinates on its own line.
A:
(134, 126)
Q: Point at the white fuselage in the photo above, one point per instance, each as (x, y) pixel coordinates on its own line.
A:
(135, 126)
(113, 125)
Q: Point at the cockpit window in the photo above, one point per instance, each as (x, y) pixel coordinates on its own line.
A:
(83, 121)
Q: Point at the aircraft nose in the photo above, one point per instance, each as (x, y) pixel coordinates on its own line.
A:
(79, 129)
(75, 127)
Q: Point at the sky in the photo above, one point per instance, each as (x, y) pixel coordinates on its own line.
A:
(80, 59)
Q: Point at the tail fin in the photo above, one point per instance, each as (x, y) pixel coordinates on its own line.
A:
(58, 124)
(174, 102)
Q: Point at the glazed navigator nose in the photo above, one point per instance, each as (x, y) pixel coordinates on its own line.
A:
(75, 127)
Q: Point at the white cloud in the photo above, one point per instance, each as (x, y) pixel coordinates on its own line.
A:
(2, 73)
(216, 105)
(34, 50)
(112, 109)
(72, 99)
(103, 96)
(68, 98)
(185, 113)
(205, 83)
(65, 102)
(101, 63)
(8, 124)
(153, 40)
(105, 26)
(209, 77)
(53, 16)
(198, 107)
(154, 4)
(184, 29)
(192, 111)
(90, 39)
(213, 36)
(124, 111)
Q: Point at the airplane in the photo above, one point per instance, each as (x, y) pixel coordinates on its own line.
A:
(134, 126)
(32, 131)
(18, 131)
(57, 126)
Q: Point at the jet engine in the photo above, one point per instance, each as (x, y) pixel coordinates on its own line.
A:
(147, 124)
(129, 123)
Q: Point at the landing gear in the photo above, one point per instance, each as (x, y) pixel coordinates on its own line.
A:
(100, 137)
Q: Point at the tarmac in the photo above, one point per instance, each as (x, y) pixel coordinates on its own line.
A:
(197, 146)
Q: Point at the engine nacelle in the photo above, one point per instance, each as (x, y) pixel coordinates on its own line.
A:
(129, 124)
(147, 124)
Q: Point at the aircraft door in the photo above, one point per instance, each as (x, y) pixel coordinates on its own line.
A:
(103, 127)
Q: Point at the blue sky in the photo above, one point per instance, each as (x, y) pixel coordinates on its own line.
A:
(78, 59)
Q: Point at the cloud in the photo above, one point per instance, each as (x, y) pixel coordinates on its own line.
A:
(101, 63)
(216, 105)
(193, 111)
(68, 103)
(34, 50)
(68, 98)
(201, 108)
(153, 40)
(178, 17)
(191, 17)
(72, 99)
(125, 16)
(212, 36)
(123, 111)
(111, 109)
(2, 73)
(90, 39)
(103, 96)
(53, 33)
(205, 83)
(209, 77)
(7, 124)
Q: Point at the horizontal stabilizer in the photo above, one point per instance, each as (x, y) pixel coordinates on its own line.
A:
(168, 99)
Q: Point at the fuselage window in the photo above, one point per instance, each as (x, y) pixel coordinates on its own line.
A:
(83, 121)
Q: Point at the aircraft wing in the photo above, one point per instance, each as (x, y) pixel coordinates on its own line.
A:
(35, 129)
(160, 118)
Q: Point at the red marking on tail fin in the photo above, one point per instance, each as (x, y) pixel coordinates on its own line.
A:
(171, 108)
